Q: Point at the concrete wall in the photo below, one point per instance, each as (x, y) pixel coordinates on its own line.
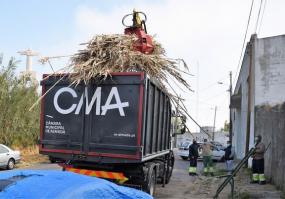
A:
(269, 104)
(270, 123)
(270, 70)
(201, 136)
(239, 115)
(183, 138)
(222, 137)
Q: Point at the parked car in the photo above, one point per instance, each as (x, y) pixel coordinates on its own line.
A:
(218, 152)
(8, 157)
(183, 151)
(218, 145)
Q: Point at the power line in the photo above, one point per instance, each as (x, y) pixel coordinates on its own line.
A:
(257, 20)
(261, 19)
(212, 98)
(211, 85)
(244, 39)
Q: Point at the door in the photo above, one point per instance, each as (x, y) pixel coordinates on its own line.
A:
(4, 155)
(63, 116)
(218, 153)
(114, 129)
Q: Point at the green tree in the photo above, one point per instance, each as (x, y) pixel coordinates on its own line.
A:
(18, 125)
(226, 126)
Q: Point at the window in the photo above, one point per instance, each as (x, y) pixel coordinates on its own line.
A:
(185, 144)
(3, 149)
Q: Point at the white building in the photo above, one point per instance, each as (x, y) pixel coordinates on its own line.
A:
(258, 103)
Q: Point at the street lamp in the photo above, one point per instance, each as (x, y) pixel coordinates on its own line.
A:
(230, 90)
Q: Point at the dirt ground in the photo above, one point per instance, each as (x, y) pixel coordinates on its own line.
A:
(30, 156)
(183, 186)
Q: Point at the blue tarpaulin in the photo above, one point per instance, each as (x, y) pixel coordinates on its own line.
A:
(58, 184)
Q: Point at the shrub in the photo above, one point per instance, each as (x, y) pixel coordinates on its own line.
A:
(18, 126)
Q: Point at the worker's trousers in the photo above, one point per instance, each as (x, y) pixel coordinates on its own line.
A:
(208, 165)
(258, 171)
(229, 165)
(193, 165)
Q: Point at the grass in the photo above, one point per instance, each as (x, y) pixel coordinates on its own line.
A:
(220, 172)
(30, 156)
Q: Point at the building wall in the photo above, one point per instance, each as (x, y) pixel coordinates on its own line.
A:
(222, 137)
(239, 115)
(199, 137)
(266, 57)
(270, 123)
(183, 138)
(270, 104)
(270, 70)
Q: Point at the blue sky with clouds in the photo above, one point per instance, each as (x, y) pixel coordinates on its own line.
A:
(208, 34)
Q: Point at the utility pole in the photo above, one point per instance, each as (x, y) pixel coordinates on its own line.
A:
(175, 124)
(1, 58)
(197, 95)
(230, 122)
(213, 137)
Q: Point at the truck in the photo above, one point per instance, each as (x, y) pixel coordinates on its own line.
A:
(117, 128)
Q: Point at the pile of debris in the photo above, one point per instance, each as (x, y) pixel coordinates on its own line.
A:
(105, 54)
(134, 51)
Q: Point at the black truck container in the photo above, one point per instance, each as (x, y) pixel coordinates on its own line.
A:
(118, 124)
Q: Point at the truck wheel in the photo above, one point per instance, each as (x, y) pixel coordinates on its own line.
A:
(150, 184)
(169, 168)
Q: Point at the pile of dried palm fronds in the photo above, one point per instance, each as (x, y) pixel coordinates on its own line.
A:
(105, 54)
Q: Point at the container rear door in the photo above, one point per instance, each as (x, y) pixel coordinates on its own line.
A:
(62, 125)
(115, 129)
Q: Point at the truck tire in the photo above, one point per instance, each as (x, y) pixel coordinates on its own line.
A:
(170, 166)
(150, 183)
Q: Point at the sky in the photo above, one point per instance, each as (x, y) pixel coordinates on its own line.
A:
(207, 34)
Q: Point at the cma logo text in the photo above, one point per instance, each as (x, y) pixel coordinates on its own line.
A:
(88, 105)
